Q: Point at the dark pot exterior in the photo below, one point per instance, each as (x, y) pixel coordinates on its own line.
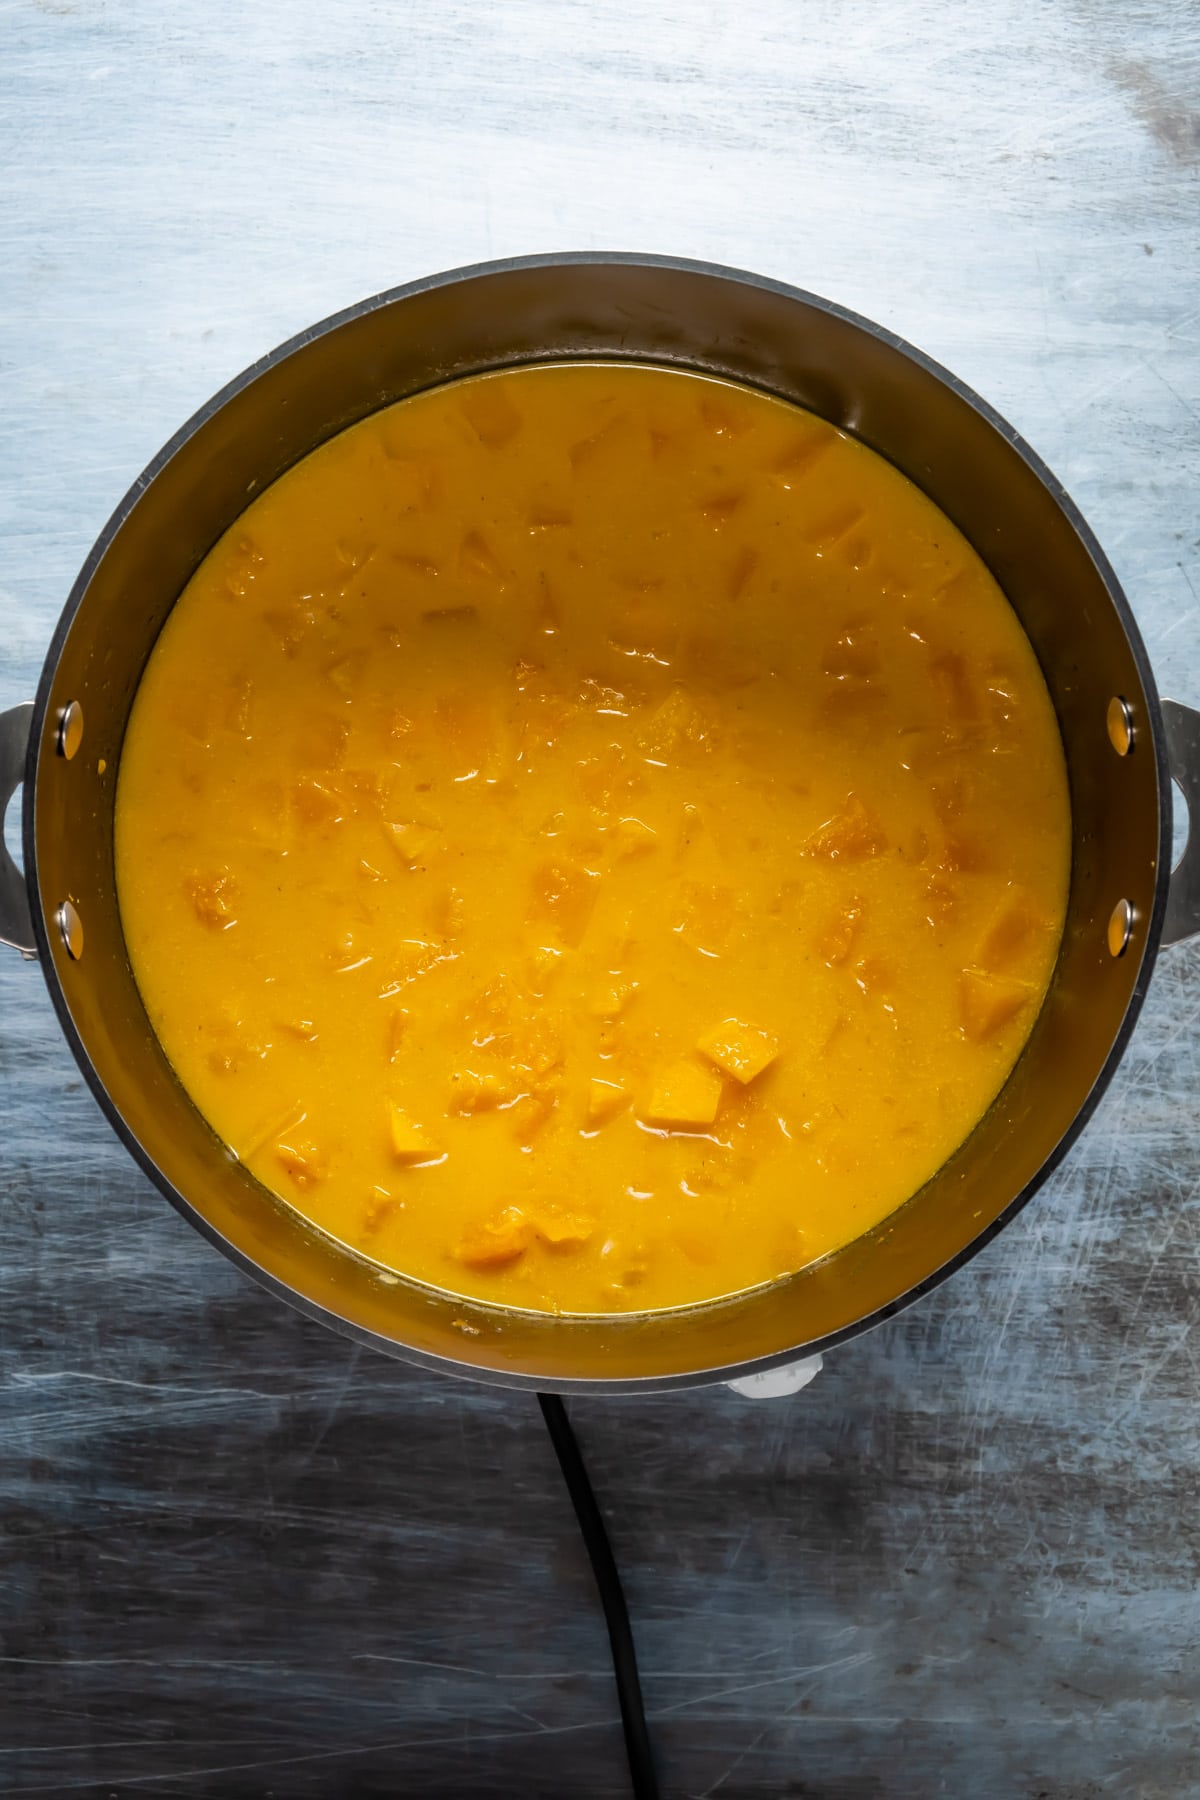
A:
(864, 380)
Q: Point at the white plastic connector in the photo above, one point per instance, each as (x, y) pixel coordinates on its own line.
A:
(773, 1384)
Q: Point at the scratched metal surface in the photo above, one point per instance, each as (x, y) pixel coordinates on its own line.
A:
(243, 1559)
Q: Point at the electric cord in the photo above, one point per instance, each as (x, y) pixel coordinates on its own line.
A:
(638, 1748)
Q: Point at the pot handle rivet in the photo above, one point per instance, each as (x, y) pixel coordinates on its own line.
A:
(16, 917)
(70, 730)
(1120, 725)
(70, 926)
(1182, 727)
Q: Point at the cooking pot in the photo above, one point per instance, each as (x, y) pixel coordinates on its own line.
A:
(1123, 746)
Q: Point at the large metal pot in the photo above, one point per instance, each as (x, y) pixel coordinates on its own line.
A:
(1122, 748)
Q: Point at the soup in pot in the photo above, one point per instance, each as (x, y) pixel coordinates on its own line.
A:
(592, 838)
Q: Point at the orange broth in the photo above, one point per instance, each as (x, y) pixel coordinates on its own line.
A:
(593, 838)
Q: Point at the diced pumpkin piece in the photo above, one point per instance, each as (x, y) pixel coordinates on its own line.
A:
(292, 625)
(987, 1003)
(793, 463)
(719, 507)
(723, 416)
(411, 481)
(468, 732)
(381, 1207)
(676, 723)
(547, 618)
(610, 778)
(964, 854)
(1012, 935)
(450, 615)
(410, 1143)
(684, 1094)
(957, 588)
(545, 963)
(605, 1100)
(397, 1031)
(446, 913)
(301, 1159)
(534, 1043)
(342, 675)
(955, 688)
(942, 901)
(562, 1229)
(564, 896)
(856, 549)
(854, 655)
(476, 1093)
(422, 567)
(708, 915)
(842, 933)
(825, 528)
(721, 663)
(851, 835)
(874, 975)
(854, 704)
(413, 841)
(316, 803)
(354, 553)
(741, 1050)
(586, 449)
(647, 627)
(740, 571)
(632, 836)
(490, 413)
(477, 561)
(529, 1114)
(360, 790)
(410, 959)
(610, 999)
(212, 898)
(697, 1246)
(1002, 695)
(495, 1242)
(244, 562)
(952, 797)
(548, 514)
(280, 1127)
(321, 740)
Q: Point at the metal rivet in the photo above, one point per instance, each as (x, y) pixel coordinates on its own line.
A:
(70, 926)
(1120, 928)
(70, 729)
(1120, 725)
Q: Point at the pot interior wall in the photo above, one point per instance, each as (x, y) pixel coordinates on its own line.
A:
(794, 347)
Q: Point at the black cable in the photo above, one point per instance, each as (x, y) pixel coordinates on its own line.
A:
(612, 1597)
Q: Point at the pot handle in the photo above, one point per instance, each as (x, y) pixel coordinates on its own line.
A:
(16, 918)
(1182, 726)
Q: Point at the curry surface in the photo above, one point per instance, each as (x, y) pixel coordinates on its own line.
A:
(592, 837)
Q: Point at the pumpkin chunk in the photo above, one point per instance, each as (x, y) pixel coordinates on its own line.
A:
(853, 834)
(563, 1229)
(412, 841)
(987, 1003)
(684, 1094)
(742, 1051)
(410, 1144)
(495, 1242)
(605, 1100)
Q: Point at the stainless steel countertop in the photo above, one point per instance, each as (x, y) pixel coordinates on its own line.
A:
(238, 1556)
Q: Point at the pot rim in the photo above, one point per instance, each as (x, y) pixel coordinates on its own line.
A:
(464, 1368)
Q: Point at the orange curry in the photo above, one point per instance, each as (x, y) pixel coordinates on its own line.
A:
(592, 837)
